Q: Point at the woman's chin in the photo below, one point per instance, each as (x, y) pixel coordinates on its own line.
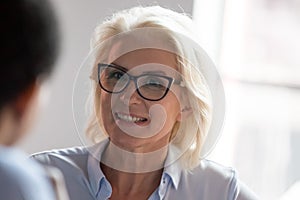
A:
(138, 145)
(129, 143)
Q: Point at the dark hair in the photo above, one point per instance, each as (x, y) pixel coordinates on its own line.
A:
(28, 45)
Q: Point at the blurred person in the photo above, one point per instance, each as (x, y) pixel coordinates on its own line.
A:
(151, 112)
(28, 49)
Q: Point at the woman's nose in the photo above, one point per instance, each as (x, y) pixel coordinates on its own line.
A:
(130, 94)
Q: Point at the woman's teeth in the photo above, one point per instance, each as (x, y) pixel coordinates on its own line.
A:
(129, 118)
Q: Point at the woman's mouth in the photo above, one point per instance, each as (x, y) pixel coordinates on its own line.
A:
(130, 118)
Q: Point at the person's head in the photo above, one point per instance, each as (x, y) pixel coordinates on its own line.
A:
(29, 44)
(162, 96)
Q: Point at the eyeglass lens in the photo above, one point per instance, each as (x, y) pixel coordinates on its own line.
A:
(149, 86)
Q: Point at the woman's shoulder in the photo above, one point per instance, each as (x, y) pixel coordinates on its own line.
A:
(74, 157)
(71, 151)
(215, 181)
(208, 180)
(211, 173)
(211, 169)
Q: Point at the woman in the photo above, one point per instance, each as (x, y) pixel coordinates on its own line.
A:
(153, 116)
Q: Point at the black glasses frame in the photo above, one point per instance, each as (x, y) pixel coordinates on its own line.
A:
(134, 79)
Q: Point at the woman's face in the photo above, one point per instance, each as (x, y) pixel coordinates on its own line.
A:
(132, 122)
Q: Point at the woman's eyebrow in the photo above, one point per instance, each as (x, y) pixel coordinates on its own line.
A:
(155, 72)
(119, 66)
(144, 72)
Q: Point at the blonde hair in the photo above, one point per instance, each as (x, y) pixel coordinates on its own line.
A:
(188, 58)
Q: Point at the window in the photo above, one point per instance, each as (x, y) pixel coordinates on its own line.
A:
(256, 45)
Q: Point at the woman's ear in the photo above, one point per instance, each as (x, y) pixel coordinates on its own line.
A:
(186, 109)
(184, 113)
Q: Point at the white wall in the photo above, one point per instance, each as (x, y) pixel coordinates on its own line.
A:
(54, 126)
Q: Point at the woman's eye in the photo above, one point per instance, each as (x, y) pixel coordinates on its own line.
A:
(154, 83)
(115, 75)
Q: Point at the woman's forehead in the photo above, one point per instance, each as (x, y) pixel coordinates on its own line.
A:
(148, 58)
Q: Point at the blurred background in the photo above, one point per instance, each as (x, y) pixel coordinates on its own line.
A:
(256, 47)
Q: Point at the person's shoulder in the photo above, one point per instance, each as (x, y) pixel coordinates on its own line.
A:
(211, 171)
(217, 181)
(74, 156)
(20, 177)
(12, 159)
(68, 152)
(209, 176)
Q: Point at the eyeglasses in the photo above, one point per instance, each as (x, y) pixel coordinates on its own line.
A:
(153, 87)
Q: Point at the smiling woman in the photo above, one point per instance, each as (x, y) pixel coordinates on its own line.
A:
(137, 99)
(155, 100)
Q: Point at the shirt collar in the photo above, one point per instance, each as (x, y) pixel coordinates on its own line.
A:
(172, 165)
(94, 173)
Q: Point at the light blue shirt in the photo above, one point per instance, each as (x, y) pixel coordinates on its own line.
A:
(22, 178)
(85, 179)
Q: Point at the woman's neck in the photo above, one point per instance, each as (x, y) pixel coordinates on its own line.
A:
(131, 162)
(127, 185)
(132, 175)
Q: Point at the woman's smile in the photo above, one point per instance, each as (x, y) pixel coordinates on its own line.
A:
(130, 118)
